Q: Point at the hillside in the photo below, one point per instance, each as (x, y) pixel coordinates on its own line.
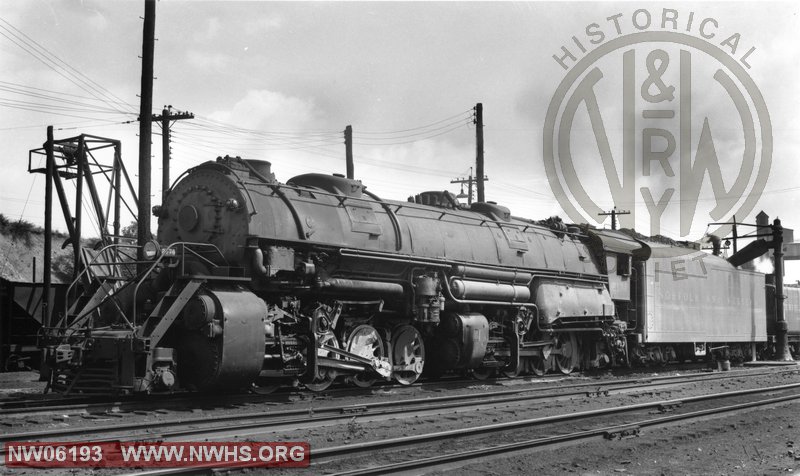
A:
(20, 242)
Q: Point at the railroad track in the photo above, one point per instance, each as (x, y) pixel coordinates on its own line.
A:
(114, 407)
(88, 404)
(232, 425)
(122, 404)
(637, 417)
(78, 403)
(629, 428)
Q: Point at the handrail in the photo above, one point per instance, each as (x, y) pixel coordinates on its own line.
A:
(392, 218)
(85, 315)
(193, 252)
(447, 263)
(465, 213)
(85, 271)
(165, 253)
(301, 232)
(186, 248)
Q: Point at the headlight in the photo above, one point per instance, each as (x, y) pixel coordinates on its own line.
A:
(152, 250)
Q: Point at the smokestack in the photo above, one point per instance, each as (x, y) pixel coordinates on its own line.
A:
(716, 244)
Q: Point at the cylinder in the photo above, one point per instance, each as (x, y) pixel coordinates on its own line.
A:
(450, 325)
(359, 286)
(509, 276)
(199, 311)
(470, 333)
(476, 290)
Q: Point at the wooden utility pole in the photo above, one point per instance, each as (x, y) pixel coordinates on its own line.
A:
(782, 328)
(348, 151)
(48, 227)
(614, 212)
(469, 181)
(479, 173)
(165, 118)
(146, 127)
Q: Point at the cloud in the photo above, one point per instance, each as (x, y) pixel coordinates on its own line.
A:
(271, 111)
(262, 25)
(205, 61)
(209, 31)
(97, 20)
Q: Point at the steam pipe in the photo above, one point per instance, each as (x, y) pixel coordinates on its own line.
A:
(354, 285)
(258, 261)
(450, 296)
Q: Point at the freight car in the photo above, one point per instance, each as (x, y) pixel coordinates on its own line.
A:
(21, 321)
(252, 281)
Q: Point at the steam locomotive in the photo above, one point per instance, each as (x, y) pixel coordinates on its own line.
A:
(255, 282)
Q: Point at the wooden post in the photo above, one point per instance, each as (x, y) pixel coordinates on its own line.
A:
(48, 227)
(165, 118)
(781, 328)
(348, 151)
(117, 190)
(164, 155)
(479, 151)
(146, 127)
(81, 165)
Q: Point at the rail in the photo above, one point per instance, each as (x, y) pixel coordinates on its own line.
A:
(303, 419)
(608, 432)
(182, 426)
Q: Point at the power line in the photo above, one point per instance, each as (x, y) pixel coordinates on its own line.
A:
(55, 96)
(53, 108)
(425, 135)
(469, 111)
(45, 111)
(60, 66)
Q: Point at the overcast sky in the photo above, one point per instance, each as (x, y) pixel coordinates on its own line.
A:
(280, 81)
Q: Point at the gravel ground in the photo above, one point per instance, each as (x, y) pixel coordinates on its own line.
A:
(20, 384)
(754, 442)
(765, 441)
